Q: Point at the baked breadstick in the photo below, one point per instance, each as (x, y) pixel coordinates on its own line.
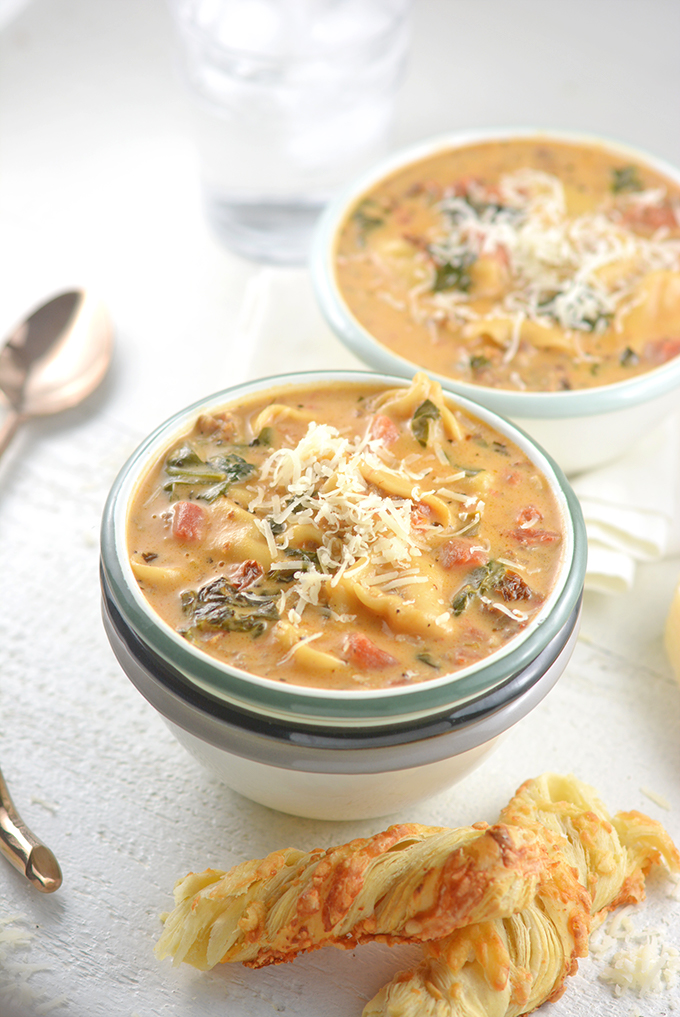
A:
(409, 884)
(510, 966)
(612, 855)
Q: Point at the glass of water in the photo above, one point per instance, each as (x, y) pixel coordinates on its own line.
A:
(290, 99)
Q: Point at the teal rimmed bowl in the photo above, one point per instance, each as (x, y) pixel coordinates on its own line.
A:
(327, 753)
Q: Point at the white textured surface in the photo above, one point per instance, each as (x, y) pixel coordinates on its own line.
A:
(97, 183)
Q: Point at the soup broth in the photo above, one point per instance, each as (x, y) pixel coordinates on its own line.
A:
(346, 536)
(519, 264)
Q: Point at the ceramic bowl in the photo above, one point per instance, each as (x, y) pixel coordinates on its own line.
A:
(580, 428)
(316, 752)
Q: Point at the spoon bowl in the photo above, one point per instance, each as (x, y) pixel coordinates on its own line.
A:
(54, 358)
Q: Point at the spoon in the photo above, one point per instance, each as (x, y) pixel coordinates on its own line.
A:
(53, 359)
(50, 362)
(23, 849)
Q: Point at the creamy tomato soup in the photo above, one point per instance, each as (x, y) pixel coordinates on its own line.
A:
(519, 264)
(345, 536)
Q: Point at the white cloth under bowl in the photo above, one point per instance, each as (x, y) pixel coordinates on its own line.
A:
(631, 507)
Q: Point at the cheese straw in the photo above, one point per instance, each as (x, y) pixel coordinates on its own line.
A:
(503, 912)
(408, 884)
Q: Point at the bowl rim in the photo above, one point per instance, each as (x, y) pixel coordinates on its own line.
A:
(294, 745)
(594, 401)
(343, 706)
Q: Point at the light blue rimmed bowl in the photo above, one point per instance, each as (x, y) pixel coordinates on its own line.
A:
(582, 428)
(321, 753)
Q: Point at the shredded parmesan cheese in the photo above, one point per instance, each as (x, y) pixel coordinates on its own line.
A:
(636, 960)
(558, 263)
(303, 641)
(341, 487)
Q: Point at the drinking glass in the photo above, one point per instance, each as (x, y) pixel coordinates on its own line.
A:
(290, 99)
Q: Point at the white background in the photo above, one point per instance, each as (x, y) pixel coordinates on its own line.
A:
(98, 185)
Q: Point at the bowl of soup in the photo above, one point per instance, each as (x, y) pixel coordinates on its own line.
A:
(339, 589)
(536, 273)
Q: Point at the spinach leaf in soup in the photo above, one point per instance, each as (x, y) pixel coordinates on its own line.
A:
(265, 437)
(628, 357)
(491, 579)
(423, 417)
(185, 468)
(368, 216)
(221, 606)
(429, 660)
(625, 178)
(308, 559)
(454, 274)
(480, 580)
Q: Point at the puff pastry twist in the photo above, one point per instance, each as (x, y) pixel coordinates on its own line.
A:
(409, 884)
(502, 912)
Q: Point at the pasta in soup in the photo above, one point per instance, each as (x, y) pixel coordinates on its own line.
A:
(519, 264)
(345, 536)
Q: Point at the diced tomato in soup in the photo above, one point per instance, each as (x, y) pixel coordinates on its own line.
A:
(188, 521)
(461, 551)
(363, 652)
(385, 430)
(245, 574)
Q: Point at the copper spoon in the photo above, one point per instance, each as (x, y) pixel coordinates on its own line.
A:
(54, 358)
(50, 362)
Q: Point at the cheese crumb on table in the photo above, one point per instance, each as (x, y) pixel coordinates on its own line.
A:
(636, 960)
(15, 973)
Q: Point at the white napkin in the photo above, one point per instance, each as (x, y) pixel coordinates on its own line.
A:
(631, 507)
(281, 328)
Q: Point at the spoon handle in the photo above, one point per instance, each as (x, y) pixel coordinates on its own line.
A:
(23, 849)
(9, 427)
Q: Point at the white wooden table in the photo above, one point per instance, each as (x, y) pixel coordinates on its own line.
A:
(98, 186)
